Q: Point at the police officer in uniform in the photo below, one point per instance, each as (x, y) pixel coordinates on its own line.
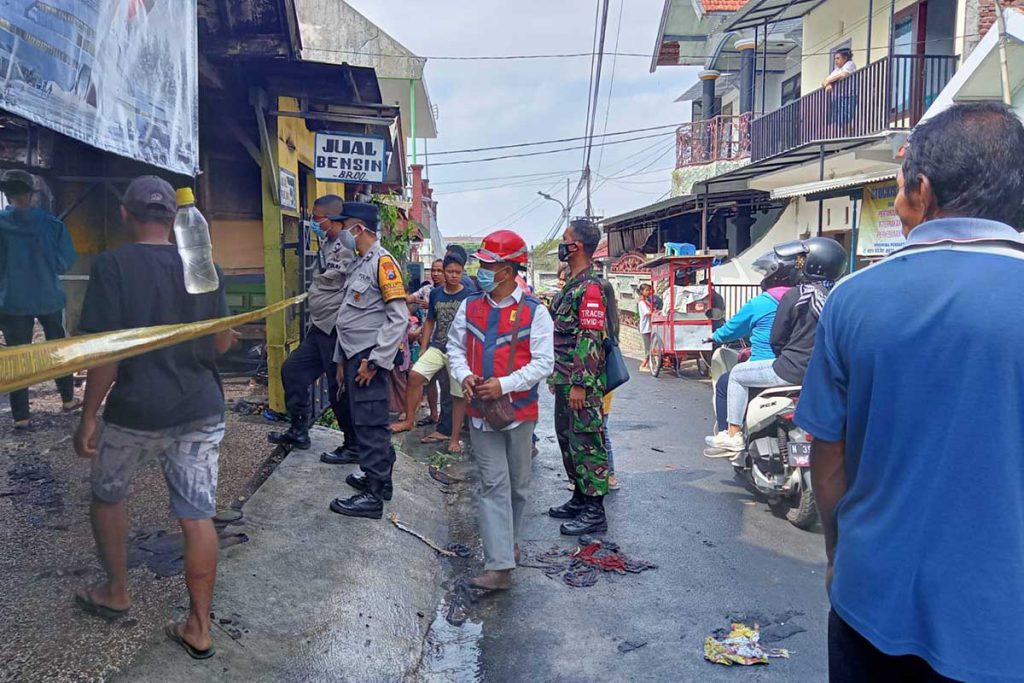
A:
(371, 326)
(315, 354)
(579, 312)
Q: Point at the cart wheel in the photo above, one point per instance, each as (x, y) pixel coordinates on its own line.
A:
(657, 357)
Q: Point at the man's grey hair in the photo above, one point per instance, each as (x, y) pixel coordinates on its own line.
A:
(587, 232)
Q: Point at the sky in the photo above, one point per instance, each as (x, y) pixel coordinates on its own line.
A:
(488, 103)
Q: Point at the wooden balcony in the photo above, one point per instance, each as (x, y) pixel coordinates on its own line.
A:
(890, 94)
(722, 138)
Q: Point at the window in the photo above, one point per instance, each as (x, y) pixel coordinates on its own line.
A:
(790, 90)
(845, 45)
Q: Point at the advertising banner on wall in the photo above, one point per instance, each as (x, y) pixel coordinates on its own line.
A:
(880, 232)
(350, 157)
(119, 75)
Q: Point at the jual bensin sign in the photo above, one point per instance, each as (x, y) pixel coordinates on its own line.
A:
(346, 157)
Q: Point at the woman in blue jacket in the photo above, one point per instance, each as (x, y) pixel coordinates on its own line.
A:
(755, 320)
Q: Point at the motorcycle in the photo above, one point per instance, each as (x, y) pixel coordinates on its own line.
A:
(776, 459)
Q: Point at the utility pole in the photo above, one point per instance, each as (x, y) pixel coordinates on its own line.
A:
(1003, 67)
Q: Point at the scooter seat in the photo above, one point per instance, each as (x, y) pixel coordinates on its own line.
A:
(784, 389)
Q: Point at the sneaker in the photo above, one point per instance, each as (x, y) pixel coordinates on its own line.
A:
(725, 442)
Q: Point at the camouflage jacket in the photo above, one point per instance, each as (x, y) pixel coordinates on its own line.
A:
(579, 313)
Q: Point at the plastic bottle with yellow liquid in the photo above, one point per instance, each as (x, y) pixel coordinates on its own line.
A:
(192, 235)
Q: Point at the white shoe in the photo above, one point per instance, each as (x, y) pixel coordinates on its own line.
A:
(725, 442)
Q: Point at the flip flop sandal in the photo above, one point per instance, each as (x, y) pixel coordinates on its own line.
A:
(434, 439)
(89, 604)
(424, 421)
(75, 405)
(171, 631)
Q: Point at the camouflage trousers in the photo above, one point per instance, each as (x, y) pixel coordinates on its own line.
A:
(581, 438)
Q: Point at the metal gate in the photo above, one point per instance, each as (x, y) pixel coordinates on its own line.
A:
(311, 261)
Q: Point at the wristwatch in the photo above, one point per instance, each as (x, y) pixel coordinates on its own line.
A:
(371, 365)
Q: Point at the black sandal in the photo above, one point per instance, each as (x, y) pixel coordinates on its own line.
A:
(89, 604)
(424, 421)
(172, 632)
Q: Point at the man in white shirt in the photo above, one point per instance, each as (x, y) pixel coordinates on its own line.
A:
(501, 344)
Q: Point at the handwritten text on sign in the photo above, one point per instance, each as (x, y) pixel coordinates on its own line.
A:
(341, 156)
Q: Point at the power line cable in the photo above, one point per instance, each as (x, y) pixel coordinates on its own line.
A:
(557, 140)
(596, 98)
(552, 151)
(611, 82)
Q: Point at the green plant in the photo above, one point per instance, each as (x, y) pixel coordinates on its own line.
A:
(396, 240)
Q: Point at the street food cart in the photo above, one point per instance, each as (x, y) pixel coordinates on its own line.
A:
(679, 330)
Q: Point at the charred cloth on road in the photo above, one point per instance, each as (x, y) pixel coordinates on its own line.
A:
(580, 567)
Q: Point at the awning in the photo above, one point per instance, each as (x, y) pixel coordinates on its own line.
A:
(979, 78)
(757, 12)
(828, 185)
(794, 157)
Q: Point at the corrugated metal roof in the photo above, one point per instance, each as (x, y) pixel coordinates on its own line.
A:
(833, 184)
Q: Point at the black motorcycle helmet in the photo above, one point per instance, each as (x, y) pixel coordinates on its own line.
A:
(818, 258)
(778, 271)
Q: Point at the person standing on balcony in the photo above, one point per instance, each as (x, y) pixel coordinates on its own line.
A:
(845, 68)
(843, 99)
(924, 520)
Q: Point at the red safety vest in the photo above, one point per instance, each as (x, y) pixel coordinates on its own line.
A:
(488, 344)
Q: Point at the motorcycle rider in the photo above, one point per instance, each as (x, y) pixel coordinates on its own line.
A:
(755, 320)
(820, 261)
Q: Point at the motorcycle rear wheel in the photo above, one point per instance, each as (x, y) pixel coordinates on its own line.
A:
(804, 514)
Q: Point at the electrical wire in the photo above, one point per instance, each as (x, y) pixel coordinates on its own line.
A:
(557, 140)
(611, 82)
(552, 151)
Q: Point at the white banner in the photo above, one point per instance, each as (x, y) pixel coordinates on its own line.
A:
(119, 75)
(350, 157)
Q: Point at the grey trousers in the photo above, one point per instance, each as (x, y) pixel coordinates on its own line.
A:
(503, 460)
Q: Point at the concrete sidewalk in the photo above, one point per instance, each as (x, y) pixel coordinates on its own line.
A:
(314, 596)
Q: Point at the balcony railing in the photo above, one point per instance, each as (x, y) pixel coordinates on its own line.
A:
(722, 138)
(890, 94)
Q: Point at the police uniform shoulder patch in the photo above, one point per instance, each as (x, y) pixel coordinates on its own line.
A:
(389, 278)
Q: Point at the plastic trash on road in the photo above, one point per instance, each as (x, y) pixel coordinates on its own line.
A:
(740, 646)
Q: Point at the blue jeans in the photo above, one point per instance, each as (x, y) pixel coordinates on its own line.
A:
(721, 401)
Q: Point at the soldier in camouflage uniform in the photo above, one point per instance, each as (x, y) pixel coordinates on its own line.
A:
(578, 382)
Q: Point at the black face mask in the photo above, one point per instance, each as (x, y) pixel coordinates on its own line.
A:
(564, 251)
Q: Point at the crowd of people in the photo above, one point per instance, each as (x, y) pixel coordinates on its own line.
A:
(911, 390)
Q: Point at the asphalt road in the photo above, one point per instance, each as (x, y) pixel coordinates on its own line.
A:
(719, 552)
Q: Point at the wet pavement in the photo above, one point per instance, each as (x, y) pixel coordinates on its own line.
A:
(721, 555)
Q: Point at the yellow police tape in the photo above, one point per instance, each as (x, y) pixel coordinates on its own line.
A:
(23, 366)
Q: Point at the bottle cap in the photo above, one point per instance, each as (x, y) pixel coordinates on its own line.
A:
(184, 195)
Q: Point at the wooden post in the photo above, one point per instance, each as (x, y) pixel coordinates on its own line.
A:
(273, 259)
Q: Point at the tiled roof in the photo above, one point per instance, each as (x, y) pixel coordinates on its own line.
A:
(722, 5)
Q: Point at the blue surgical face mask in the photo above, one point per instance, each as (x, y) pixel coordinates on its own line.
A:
(485, 278)
(348, 240)
(317, 230)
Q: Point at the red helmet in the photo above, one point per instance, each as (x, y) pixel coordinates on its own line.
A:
(503, 245)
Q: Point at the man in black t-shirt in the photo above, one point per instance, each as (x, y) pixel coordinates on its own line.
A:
(165, 404)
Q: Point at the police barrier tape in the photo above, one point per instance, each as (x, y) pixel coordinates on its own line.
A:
(24, 366)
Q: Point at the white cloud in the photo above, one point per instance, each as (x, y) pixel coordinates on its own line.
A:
(486, 103)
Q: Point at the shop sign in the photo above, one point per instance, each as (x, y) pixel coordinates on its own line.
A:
(880, 231)
(344, 157)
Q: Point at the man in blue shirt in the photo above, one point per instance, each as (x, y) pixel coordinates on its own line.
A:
(914, 395)
(35, 248)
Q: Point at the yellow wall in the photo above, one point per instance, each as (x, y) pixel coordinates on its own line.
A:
(295, 146)
(831, 23)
